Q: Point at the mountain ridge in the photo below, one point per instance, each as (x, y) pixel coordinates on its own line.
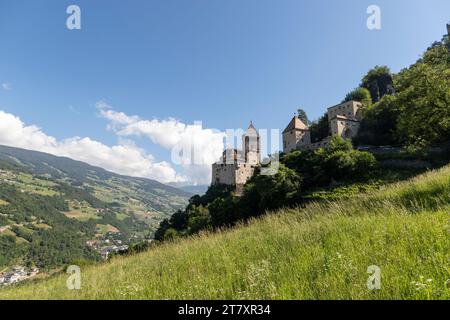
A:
(12, 151)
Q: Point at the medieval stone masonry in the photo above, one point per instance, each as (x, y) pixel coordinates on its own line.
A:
(237, 166)
(344, 120)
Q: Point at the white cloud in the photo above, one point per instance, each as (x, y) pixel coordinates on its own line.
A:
(172, 134)
(6, 86)
(124, 158)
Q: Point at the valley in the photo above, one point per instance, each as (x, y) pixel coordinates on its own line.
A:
(55, 211)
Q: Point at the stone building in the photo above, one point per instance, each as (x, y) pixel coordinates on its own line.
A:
(344, 121)
(296, 135)
(237, 166)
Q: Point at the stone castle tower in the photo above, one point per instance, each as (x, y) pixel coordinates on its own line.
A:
(296, 135)
(252, 146)
(344, 121)
(237, 166)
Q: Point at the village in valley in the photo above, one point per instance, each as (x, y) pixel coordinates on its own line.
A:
(107, 245)
(17, 274)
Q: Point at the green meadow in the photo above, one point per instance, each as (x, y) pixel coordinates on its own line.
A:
(320, 251)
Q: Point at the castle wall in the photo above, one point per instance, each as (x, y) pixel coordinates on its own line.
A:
(295, 139)
(243, 173)
(316, 145)
(253, 158)
(223, 173)
(231, 174)
(347, 109)
(344, 128)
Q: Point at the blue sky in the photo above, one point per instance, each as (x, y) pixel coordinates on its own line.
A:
(222, 62)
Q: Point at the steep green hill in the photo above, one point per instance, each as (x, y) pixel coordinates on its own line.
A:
(50, 206)
(322, 251)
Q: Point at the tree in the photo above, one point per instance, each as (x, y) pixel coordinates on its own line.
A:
(179, 220)
(360, 94)
(343, 163)
(163, 226)
(425, 101)
(379, 125)
(223, 211)
(302, 116)
(268, 192)
(379, 82)
(198, 219)
(418, 114)
(309, 165)
(320, 129)
(424, 98)
(171, 234)
(339, 144)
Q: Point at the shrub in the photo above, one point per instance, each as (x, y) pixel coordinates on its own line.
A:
(343, 163)
(198, 219)
(264, 192)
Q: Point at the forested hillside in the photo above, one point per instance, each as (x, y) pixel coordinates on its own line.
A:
(51, 206)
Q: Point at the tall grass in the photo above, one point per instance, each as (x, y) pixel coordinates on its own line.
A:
(318, 252)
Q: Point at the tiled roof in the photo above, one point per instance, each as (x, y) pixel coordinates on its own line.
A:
(295, 123)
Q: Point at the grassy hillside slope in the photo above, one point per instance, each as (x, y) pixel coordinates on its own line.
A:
(318, 252)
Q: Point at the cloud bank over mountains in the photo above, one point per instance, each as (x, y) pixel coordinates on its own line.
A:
(126, 157)
(201, 147)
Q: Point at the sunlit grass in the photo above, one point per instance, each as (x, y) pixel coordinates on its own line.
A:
(318, 252)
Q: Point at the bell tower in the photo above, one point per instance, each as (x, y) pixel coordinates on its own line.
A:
(252, 146)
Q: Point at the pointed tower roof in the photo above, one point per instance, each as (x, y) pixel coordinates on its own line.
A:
(295, 124)
(251, 131)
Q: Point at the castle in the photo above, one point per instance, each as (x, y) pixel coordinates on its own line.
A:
(344, 120)
(237, 166)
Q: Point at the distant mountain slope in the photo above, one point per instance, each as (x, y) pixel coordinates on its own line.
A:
(47, 202)
(195, 190)
(62, 167)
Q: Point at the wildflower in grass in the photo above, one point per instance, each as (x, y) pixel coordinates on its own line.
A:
(259, 280)
(424, 285)
(129, 291)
